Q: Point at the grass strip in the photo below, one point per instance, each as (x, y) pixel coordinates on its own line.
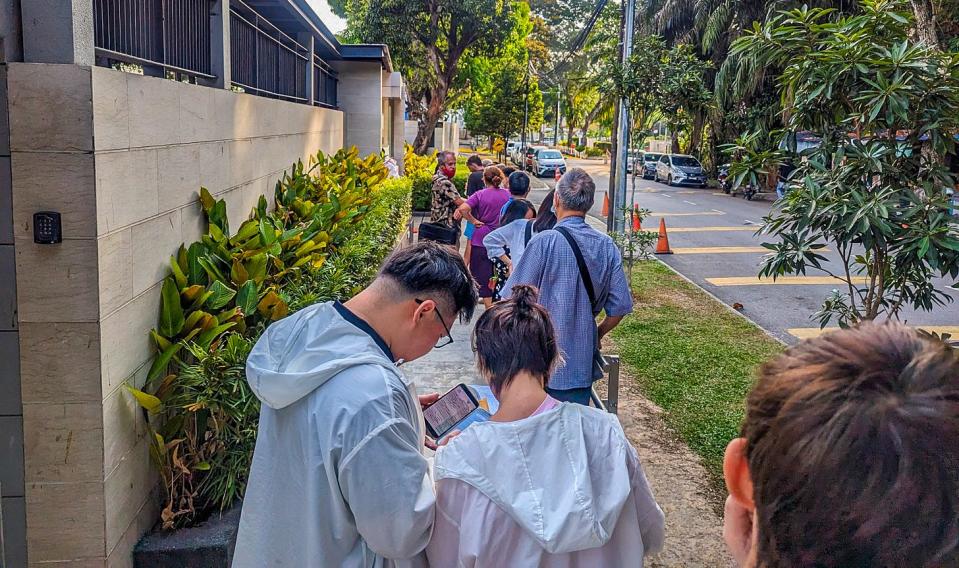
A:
(691, 357)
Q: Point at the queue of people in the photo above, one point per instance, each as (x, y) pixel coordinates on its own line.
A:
(847, 456)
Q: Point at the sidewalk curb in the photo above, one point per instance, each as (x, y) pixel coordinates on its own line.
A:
(722, 303)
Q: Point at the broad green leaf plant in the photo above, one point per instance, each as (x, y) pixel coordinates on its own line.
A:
(221, 293)
(875, 190)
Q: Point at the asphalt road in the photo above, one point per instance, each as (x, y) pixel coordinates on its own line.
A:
(699, 221)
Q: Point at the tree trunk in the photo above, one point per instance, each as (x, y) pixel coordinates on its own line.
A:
(674, 135)
(925, 23)
(590, 117)
(696, 133)
(426, 125)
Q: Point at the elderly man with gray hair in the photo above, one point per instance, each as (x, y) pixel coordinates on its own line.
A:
(445, 200)
(579, 272)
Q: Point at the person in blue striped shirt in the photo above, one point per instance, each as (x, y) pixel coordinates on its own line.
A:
(550, 263)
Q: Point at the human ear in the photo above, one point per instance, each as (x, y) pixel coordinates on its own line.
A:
(422, 309)
(739, 481)
(739, 516)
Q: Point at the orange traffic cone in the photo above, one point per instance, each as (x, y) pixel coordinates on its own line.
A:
(606, 205)
(662, 245)
(637, 223)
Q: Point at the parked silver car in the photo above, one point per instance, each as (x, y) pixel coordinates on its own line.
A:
(680, 169)
(547, 161)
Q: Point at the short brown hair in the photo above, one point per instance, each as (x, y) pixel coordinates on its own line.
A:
(516, 335)
(852, 441)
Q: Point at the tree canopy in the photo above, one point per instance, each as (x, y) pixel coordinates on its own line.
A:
(429, 41)
(886, 109)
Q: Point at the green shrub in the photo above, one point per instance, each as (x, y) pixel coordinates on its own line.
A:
(593, 152)
(459, 180)
(334, 220)
(422, 191)
(604, 146)
(415, 165)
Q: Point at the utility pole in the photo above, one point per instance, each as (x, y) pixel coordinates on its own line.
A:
(522, 143)
(556, 128)
(618, 186)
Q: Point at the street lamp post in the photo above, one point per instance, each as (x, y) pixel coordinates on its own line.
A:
(618, 188)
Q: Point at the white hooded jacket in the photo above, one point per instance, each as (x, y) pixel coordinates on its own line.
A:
(338, 477)
(559, 489)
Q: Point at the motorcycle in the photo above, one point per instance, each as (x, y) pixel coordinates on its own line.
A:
(723, 179)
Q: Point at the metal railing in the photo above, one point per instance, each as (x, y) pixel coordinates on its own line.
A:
(170, 35)
(264, 60)
(611, 402)
(324, 84)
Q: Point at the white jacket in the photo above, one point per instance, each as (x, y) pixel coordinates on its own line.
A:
(559, 489)
(338, 476)
(512, 236)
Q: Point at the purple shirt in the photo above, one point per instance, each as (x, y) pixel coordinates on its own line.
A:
(486, 205)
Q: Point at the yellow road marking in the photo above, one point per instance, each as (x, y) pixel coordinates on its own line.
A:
(782, 281)
(668, 214)
(707, 229)
(810, 332)
(717, 250)
(686, 192)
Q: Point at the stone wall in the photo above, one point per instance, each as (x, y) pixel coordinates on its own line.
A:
(121, 157)
(359, 95)
(11, 411)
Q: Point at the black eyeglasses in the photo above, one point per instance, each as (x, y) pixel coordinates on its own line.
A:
(442, 342)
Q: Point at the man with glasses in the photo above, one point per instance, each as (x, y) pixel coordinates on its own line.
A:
(338, 476)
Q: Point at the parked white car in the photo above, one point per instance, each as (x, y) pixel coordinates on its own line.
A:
(680, 169)
(511, 148)
(516, 155)
(547, 161)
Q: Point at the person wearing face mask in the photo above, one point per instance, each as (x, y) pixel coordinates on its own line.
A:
(446, 199)
(339, 477)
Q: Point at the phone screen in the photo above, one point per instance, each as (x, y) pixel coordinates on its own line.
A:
(449, 410)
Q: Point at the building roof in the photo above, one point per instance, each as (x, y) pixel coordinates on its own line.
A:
(297, 16)
(339, 51)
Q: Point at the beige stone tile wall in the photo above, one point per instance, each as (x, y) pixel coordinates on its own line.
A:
(122, 158)
(359, 93)
(58, 295)
(178, 137)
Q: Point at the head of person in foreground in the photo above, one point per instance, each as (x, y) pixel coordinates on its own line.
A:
(575, 193)
(849, 455)
(418, 294)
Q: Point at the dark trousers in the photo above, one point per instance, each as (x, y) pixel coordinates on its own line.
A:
(579, 396)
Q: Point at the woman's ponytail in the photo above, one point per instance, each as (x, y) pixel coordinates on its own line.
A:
(514, 336)
(493, 176)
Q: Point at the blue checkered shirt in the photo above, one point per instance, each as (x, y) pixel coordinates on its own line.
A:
(549, 264)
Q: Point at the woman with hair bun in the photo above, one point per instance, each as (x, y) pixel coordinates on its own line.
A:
(543, 483)
(483, 210)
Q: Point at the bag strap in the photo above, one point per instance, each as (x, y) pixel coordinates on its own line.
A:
(581, 263)
(529, 233)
